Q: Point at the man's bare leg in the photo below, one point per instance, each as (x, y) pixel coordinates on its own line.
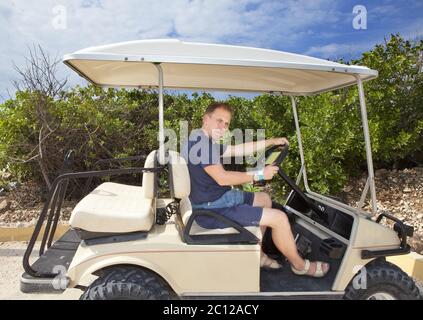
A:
(281, 232)
(282, 235)
(284, 240)
(262, 199)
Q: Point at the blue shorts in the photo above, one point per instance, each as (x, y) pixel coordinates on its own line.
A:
(229, 199)
(235, 205)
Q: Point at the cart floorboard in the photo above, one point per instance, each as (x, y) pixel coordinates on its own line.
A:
(60, 253)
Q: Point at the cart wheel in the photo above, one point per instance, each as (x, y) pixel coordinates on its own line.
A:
(385, 281)
(128, 283)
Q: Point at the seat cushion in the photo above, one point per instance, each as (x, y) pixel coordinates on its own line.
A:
(114, 207)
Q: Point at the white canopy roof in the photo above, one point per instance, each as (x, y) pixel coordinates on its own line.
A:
(189, 65)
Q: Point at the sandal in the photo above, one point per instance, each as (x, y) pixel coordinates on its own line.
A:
(318, 273)
(268, 263)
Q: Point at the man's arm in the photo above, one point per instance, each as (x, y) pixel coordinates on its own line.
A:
(249, 148)
(233, 178)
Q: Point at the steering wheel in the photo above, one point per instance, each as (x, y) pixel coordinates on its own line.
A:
(278, 152)
(282, 151)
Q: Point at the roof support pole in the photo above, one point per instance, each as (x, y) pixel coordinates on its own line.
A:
(161, 116)
(300, 144)
(371, 178)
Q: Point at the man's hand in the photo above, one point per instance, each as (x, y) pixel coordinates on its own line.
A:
(269, 172)
(279, 141)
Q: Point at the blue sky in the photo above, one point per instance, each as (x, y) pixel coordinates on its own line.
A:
(320, 28)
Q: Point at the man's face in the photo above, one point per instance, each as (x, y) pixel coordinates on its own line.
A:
(216, 123)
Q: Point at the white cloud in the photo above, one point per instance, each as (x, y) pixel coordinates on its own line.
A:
(383, 10)
(95, 22)
(332, 51)
(413, 30)
(337, 50)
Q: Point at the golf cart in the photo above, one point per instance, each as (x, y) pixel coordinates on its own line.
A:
(124, 242)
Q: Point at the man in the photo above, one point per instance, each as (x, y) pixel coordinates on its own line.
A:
(211, 188)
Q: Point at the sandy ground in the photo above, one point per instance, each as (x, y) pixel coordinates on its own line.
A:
(11, 269)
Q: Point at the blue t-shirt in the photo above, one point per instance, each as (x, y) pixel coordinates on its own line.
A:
(199, 152)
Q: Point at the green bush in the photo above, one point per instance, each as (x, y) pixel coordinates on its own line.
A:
(109, 123)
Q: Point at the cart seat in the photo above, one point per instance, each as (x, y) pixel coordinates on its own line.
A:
(118, 208)
(180, 188)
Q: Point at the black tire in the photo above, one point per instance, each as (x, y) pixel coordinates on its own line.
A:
(128, 283)
(384, 279)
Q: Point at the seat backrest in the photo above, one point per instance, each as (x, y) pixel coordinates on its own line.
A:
(149, 179)
(180, 188)
(179, 182)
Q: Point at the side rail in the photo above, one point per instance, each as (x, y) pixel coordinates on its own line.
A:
(403, 231)
(242, 237)
(52, 208)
